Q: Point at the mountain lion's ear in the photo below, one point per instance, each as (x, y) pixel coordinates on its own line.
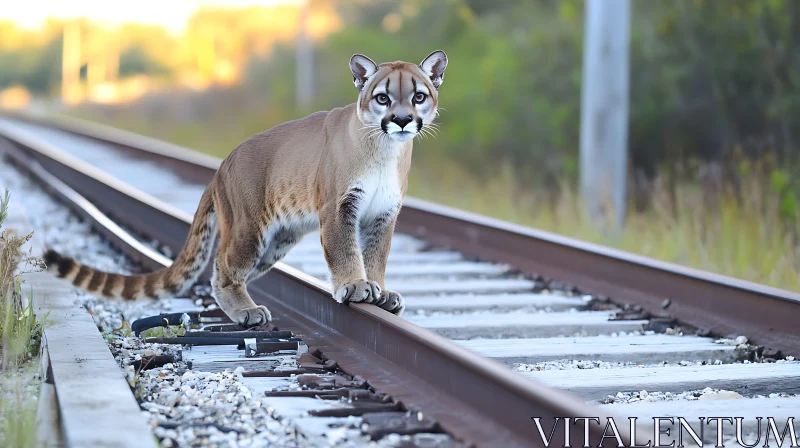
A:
(434, 66)
(362, 68)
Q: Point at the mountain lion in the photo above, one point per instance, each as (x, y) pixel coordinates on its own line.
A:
(343, 172)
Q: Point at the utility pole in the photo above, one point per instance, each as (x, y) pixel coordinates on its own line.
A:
(304, 76)
(112, 60)
(70, 60)
(604, 108)
(96, 59)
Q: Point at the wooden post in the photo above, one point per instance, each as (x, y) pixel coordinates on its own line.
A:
(604, 109)
(70, 61)
(304, 70)
(95, 59)
(112, 60)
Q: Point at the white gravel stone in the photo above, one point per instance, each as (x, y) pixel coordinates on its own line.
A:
(570, 364)
(703, 394)
(720, 395)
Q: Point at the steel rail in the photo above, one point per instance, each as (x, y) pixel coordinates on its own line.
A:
(477, 400)
(720, 304)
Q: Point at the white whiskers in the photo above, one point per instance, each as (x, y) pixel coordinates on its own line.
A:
(372, 131)
(429, 130)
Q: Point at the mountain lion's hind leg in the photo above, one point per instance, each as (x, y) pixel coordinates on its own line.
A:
(238, 255)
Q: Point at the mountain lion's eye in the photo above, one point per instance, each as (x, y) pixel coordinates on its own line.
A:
(382, 99)
(420, 97)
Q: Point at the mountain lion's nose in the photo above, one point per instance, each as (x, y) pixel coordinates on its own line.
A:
(402, 122)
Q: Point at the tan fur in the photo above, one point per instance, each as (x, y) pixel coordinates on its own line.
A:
(344, 171)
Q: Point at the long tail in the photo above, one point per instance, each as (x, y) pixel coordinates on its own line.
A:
(177, 278)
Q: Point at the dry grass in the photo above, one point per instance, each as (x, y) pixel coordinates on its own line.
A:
(20, 332)
(744, 239)
(741, 238)
(20, 390)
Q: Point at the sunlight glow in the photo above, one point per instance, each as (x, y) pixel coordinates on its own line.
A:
(171, 14)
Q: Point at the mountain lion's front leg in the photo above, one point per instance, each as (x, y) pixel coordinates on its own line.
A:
(339, 234)
(377, 239)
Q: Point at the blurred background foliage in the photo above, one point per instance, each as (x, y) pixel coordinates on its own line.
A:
(714, 108)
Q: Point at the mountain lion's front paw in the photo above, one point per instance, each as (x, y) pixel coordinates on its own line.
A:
(358, 292)
(392, 302)
(252, 317)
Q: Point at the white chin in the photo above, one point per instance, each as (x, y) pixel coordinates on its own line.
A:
(402, 136)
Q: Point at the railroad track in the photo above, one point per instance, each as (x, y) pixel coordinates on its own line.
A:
(528, 299)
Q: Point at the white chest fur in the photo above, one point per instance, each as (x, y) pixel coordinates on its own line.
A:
(381, 186)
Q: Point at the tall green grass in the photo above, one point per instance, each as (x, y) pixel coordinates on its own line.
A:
(20, 388)
(20, 332)
(742, 235)
(746, 239)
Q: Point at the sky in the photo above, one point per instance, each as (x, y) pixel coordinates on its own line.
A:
(171, 14)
